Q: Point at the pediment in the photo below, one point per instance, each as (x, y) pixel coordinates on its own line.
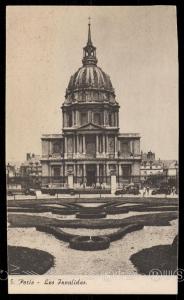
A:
(90, 126)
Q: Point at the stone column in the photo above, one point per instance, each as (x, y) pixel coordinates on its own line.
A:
(120, 173)
(97, 146)
(104, 151)
(66, 150)
(77, 117)
(91, 116)
(84, 174)
(77, 170)
(73, 146)
(84, 144)
(74, 169)
(63, 118)
(115, 147)
(84, 170)
(73, 118)
(104, 174)
(104, 118)
(97, 173)
(77, 175)
(107, 145)
(117, 119)
(113, 184)
(77, 145)
(131, 148)
(70, 181)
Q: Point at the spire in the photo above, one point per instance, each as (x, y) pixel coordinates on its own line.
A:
(89, 42)
(89, 51)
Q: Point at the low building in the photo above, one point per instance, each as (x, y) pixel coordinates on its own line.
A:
(32, 166)
(149, 165)
(11, 170)
(170, 167)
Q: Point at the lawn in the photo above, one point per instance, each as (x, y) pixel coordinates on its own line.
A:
(26, 261)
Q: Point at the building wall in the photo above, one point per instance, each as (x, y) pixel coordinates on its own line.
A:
(136, 168)
(45, 169)
(136, 147)
(172, 172)
(45, 148)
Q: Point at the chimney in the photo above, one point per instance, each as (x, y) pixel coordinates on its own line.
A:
(28, 156)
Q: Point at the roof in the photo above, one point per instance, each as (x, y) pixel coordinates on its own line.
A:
(169, 164)
(129, 135)
(90, 126)
(51, 136)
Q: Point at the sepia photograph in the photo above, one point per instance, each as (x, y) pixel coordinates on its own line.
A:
(92, 149)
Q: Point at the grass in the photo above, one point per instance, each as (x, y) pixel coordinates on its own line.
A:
(152, 201)
(161, 258)
(152, 219)
(26, 261)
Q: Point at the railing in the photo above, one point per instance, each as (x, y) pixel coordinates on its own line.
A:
(91, 155)
(88, 182)
(150, 180)
(92, 182)
(70, 155)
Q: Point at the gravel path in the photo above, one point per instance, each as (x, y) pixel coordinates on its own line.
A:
(90, 204)
(46, 214)
(130, 214)
(113, 261)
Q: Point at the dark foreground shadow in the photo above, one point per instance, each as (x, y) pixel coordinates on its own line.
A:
(162, 258)
(26, 261)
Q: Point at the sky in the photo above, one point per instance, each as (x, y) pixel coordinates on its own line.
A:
(136, 46)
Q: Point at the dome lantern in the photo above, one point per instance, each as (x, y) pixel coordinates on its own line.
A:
(90, 83)
(89, 51)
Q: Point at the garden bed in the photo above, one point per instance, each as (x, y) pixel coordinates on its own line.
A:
(26, 261)
(67, 237)
(159, 257)
(151, 219)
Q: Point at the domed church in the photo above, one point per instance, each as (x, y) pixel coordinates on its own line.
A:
(90, 146)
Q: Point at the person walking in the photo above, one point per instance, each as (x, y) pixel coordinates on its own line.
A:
(173, 190)
(147, 190)
(144, 191)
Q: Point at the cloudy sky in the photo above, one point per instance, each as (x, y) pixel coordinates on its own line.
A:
(136, 46)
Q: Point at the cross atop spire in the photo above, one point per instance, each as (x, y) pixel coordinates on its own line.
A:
(89, 54)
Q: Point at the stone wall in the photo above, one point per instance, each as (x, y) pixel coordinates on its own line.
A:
(136, 168)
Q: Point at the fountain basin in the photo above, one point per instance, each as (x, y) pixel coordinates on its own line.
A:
(90, 243)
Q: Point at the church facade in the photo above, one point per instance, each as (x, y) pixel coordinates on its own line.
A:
(90, 146)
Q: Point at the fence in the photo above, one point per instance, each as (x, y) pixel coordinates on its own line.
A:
(149, 180)
(88, 182)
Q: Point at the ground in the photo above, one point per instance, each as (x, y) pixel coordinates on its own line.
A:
(124, 256)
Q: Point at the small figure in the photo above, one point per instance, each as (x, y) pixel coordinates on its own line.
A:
(147, 190)
(173, 190)
(144, 191)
